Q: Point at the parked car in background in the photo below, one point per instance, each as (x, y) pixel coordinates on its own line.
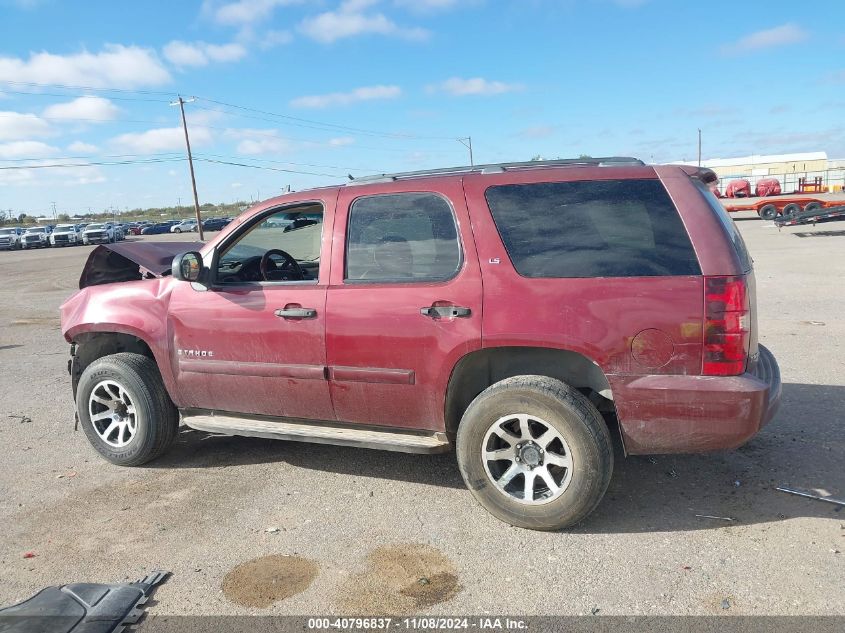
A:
(10, 238)
(98, 233)
(36, 237)
(119, 232)
(520, 313)
(156, 229)
(214, 224)
(184, 226)
(66, 235)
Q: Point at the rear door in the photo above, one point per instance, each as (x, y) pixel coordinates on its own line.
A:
(404, 303)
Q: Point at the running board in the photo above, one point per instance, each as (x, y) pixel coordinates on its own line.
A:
(403, 441)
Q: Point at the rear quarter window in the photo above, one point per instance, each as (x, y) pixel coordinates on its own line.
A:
(728, 225)
(605, 228)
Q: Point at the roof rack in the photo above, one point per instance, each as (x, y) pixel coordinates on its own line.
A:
(497, 168)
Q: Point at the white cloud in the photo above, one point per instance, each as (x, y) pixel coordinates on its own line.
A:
(782, 35)
(351, 19)
(271, 39)
(90, 108)
(459, 87)
(236, 185)
(341, 141)
(201, 53)
(15, 126)
(82, 148)
(160, 139)
(244, 12)
(116, 66)
(537, 132)
(427, 6)
(366, 93)
(26, 149)
(252, 141)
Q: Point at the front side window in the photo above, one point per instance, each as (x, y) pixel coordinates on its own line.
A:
(281, 247)
(405, 237)
(598, 228)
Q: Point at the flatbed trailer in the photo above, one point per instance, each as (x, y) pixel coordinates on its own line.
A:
(817, 216)
(772, 207)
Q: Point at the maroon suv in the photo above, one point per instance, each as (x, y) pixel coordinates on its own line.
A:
(503, 309)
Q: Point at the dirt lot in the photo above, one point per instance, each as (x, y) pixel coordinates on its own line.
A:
(262, 526)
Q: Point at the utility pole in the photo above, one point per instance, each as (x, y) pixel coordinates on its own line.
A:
(699, 147)
(54, 209)
(467, 142)
(181, 104)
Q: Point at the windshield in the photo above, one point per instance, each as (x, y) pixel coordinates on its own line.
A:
(8, 231)
(40, 229)
(96, 226)
(64, 227)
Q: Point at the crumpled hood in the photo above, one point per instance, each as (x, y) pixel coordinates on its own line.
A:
(110, 263)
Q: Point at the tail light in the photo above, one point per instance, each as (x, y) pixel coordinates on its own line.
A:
(727, 326)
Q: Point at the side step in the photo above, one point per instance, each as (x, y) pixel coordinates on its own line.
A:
(403, 441)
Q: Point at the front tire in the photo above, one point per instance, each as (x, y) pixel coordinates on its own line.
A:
(535, 452)
(124, 409)
(768, 212)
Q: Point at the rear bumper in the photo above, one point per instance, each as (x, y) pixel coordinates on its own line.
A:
(692, 414)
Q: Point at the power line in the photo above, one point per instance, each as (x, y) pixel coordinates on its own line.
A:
(78, 96)
(17, 160)
(94, 163)
(91, 88)
(287, 171)
(323, 125)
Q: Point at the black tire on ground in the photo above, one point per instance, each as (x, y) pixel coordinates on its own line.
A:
(156, 418)
(768, 212)
(567, 412)
(177, 230)
(813, 206)
(791, 209)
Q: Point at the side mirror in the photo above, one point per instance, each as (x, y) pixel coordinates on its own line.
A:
(187, 266)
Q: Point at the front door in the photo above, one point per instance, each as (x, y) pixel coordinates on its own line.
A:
(404, 304)
(254, 342)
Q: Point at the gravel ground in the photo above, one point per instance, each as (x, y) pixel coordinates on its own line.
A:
(353, 528)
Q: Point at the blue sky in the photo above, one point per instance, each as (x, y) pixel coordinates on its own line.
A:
(389, 85)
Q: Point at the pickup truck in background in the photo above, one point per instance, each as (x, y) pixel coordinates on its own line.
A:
(66, 235)
(10, 238)
(98, 234)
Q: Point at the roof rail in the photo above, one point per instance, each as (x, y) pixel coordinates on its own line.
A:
(497, 168)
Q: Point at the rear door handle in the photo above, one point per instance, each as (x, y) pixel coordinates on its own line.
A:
(445, 312)
(296, 313)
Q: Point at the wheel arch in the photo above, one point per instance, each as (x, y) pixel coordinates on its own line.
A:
(476, 371)
(92, 345)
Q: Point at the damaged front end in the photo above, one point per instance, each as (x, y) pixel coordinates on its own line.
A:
(113, 263)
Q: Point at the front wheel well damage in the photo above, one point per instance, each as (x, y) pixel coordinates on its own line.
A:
(90, 346)
(478, 370)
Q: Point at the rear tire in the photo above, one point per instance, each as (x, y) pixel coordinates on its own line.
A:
(768, 212)
(529, 410)
(791, 209)
(812, 206)
(125, 410)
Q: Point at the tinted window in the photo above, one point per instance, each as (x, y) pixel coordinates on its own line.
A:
(402, 237)
(604, 228)
(727, 224)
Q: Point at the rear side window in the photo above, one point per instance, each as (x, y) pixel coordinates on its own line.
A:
(602, 228)
(406, 237)
(728, 225)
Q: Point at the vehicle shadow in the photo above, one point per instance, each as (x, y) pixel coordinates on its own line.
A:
(803, 447)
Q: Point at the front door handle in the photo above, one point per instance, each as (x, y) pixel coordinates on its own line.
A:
(445, 312)
(296, 312)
